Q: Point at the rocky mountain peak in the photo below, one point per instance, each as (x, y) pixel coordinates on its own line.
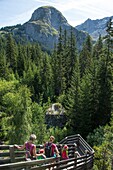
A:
(94, 27)
(44, 26)
(49, 15)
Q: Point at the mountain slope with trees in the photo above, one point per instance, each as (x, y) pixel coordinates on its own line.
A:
(43, 27)
(31, 80)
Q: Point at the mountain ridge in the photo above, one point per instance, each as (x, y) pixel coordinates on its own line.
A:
(94, 27)
(43, 27)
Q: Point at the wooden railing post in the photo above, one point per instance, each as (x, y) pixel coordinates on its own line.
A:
(86, 151)
(58, 159)
(12, 153)
(61, 150)
(75, 156)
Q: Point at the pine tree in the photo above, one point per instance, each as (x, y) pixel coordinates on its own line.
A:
(105, 83)
(4, 71)
(98, 47)
(73, 100)
(21, 119)
(58, 65)
(94, 92)
(71, 56)
(47, 79)
(86, 55)
(11, 52)
(20, 60)
(85, 110)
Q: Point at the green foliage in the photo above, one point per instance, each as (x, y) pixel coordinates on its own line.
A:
(103, 157)
(86, 56)
(97, 137)
(103, 136)
(95, 167)
(102, 140)
(18, 104)
(38, 122)
(11, 52)
(57, 132)
(32, 80)
(98, 47)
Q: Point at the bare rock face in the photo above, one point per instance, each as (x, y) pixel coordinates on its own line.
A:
(42, 33)
(50, 16)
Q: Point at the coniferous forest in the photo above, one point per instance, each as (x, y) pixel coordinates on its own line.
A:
(31, 80)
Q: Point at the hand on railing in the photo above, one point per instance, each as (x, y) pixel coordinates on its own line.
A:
(16, 146)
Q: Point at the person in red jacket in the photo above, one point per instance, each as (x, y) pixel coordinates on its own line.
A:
(65, 152)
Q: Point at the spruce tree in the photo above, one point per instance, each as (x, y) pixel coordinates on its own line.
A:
(85, 110)
(105, 83)
(86, 55)
(20, 60)
(58, 65)
(71, 56)
(47, 79)
(11, 52)
(73, 99)
(20, 105)
(98, 47)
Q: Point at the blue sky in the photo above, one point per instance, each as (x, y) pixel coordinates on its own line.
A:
(14, 12)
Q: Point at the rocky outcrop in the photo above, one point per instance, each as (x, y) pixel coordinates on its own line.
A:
(94, 27)
(55, 116)
(55, 120)
(42, 33)
(49, 15)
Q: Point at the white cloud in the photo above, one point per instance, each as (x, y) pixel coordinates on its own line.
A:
(80, 4)
(93, 9)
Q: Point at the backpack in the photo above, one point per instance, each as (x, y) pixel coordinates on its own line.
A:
(48, 149)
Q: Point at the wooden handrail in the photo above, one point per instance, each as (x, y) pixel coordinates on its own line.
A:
(75, 163)
(80, 156)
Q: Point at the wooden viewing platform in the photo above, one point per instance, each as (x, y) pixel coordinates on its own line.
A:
(80, 157)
